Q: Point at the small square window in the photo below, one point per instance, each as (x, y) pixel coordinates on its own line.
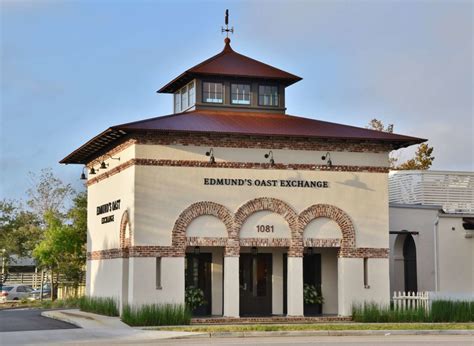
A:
(212, 92)
(268, 95)
(240, 94)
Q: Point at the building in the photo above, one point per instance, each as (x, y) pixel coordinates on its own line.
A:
(234, 197)
(432, 232)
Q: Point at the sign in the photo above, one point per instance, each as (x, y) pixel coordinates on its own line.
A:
(107, 208)
(313, 184)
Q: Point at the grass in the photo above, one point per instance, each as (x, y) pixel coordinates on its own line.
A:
(440, 311)
(156, 315)
(99, 305)
(320, 326)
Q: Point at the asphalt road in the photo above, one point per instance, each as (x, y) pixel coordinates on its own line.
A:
(14, 320)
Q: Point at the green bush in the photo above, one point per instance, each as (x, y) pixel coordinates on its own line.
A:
(99, 305)
(156, 315)
(440, 311)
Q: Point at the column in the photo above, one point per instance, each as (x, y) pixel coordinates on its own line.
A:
(295, 286)
(231, 286)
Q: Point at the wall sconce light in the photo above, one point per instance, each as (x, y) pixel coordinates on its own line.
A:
(328, 157)
(254, 251)
(310, 251)
(104, 165)
(270, 155)
(210, 153)
(83, 175)
(197, 250)
(92, 171)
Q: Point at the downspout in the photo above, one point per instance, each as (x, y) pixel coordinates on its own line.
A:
(435, 237)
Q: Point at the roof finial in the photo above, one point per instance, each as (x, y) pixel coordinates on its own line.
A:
(227, 30)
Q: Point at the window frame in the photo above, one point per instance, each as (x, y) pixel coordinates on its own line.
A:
(178, 95)
(232, 94)
(277, 96)
(203, 100)
(158, 273)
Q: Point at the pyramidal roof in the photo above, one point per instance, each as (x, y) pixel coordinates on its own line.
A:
(230, 63)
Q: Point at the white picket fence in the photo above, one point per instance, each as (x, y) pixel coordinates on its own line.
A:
(411, 300)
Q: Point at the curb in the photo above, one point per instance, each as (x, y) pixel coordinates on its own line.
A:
(330, 333)
(61, 318)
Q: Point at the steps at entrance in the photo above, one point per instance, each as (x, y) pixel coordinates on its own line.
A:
(270, 319)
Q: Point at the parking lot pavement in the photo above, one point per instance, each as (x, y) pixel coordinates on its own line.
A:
(14, 320)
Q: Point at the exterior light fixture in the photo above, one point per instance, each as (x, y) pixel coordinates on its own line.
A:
(92, 171)
(328, 158)
(270, 155)
(83, 175)
(210, 153)
(310, 251)
(104, 165)
(254, 251)
(197, 250)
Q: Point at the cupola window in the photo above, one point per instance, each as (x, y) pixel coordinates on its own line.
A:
(212, 92)
(240, 94)
(268, 95)
(184, 98)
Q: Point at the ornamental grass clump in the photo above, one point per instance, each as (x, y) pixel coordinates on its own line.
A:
(99, 305)
(156, 315)
(440, 311)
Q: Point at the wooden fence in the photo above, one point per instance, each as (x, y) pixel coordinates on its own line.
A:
(411, 300)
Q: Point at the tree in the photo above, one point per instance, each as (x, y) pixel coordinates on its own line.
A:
(48, 194)
(63, 248)
(19, 232)
(423, 156)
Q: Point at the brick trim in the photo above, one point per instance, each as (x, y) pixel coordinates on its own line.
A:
(265, 203)
(334, 213)
(363, 252)
(124, 222)
(169, 251)
(178, 234)
(265, 242)
(235, 165)
(206, 241)
(312, 242)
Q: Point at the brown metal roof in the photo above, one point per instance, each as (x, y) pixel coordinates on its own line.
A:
(230, 63)
(243, 123)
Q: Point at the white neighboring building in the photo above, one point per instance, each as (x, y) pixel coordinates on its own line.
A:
(432, 232)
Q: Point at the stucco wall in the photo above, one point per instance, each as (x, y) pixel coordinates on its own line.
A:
(105, 278)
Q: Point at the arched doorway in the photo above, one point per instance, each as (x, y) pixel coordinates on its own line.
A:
(409, 262)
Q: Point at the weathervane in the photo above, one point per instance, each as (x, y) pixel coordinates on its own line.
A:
(227, 30)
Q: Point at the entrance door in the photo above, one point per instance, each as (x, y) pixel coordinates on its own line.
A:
(255, 284)
(198, 275)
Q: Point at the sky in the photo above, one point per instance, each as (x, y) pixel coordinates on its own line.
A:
(71, 69)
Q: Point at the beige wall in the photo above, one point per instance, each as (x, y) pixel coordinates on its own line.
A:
(363, 196)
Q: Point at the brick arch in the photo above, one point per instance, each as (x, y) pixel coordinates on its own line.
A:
(124, 222)
(260, 204)
(334, 213)
(192, 212)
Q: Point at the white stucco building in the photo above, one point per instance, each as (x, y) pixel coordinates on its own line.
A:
(232, 195)
(432, 232)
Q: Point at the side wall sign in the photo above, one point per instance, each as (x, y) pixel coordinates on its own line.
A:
(107, 208)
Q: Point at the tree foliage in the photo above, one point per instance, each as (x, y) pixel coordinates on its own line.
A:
(423, 158)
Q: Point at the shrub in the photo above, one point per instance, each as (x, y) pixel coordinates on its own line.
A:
(194, 297)
(440, 311)
(156, 315)
(99, 305)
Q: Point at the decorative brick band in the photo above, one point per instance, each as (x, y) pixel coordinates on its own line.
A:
(265, 242)
(206, 241)
(125, 241)
(262, 142)
(238, 165)
(311, 242)
(363, 252)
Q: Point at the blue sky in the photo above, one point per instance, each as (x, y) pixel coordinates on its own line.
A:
(70, 69)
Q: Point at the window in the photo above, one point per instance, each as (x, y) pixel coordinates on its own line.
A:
(158, 273)
(184, 98)
(212, 92)
(268, 95)
(366, 273)
(240, 94)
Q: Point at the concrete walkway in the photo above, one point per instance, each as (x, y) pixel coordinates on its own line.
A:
(94, 329)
